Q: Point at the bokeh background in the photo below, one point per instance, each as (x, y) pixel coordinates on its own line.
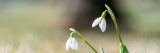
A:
(41, 26)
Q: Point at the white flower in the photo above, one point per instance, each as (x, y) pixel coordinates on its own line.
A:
(102, 23)
(71, 43)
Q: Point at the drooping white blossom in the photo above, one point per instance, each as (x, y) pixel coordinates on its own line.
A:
(102, 23)
(71, 43)
(96, 22)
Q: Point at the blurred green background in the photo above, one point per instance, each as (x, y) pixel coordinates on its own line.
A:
(41, 26)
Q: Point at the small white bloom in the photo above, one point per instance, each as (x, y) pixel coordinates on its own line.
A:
(71, 43)
(102, 23)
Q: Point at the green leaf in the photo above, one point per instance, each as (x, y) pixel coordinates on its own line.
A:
(123, 49)
(101, 50)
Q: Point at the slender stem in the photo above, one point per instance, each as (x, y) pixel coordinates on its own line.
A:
(86, 42)
(115, 23)
(83, 39)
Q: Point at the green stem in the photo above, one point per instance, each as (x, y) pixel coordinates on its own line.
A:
(115, 23)
(87, 43)
(83, 39)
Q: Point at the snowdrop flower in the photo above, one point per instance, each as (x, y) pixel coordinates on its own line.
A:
(102, 23)
(71, 43)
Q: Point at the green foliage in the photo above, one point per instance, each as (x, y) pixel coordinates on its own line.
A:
(123, 49)
(102, 50)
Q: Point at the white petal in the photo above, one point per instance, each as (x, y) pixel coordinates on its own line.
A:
(102, 25)
(74, 43)
(68, 43)
(71, 43)
(96, 21)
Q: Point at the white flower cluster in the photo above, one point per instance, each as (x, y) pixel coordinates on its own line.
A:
(72, 42)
